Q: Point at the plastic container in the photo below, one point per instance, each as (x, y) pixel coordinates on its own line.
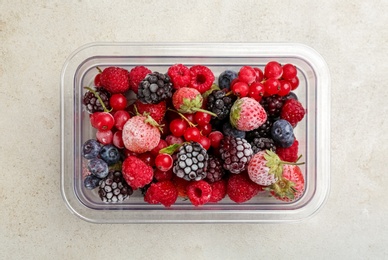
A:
(313, 133)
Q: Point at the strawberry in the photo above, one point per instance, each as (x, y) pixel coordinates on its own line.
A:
(188, 100)
(163, 192)
(241, 189)
(140, 134)
(247, 114)
(156, 111)
(291, 186)
(266, 168)
(136, 172)
(115, 79)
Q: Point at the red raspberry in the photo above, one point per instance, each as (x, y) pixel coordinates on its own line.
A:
(156, 111)
(199, 192)
(115, 79)
(136, 173)
(241, 189)
(289, 154)
(218, 190)
(201, 78)
(136, 75)
(292, 111)
(163, 192)
(179, 75)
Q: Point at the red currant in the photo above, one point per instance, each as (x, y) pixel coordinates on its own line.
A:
(190, 117)
(104, 137)
(256, 91)
(247, 74)
(170, 139)
(104, 121)
(162, 144)
(285, 88)
(240, 89)
(215, 138)
(192, 134)
(147, 158)
(259, 75)
(118, 101)
(118, 139)
(120, 118)
(92, 118)
(272, 86)
(178, 127)
(294, 83)
(205, 129)
(289, 71)
(163, 176)
(205, 142)
(202, 118)
(273, 69)
(163, 162)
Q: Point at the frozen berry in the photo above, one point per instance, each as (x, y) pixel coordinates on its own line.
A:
(91, 182)
(163, 192)
(98, 168)
(199, 192)
(110, 154)
(90, 149)
(179, 75)
(226, 78)
(282, 133)
(201, 78)
(136, 75)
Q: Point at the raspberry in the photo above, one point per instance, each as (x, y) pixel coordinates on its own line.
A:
(289, 154)
(115, 79)
(199, 192)
(136, 75)
(241, 189)
(218, 190)
(163, 176)
(201, 78)
(179, 75)
(163, 192)
(292, 111)
(181, 185)
(136, 173)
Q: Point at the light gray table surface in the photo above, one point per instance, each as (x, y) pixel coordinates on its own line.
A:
(36, 37)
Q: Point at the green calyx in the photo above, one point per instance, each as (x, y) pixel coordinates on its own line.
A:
(99, 99)
(275, 165)
(171, 149)
(192, 105)
(208, 92)
(149, 120)
(235, 112)
(284, 188)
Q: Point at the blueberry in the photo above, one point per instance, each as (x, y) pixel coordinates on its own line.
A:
(282, 133)
(91, 182)
(91, 149)
(291, 95)
(229, 130)
(110, 154)
(98, 168)
(226, 78)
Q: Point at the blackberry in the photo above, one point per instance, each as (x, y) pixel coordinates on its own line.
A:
(220, 104)
(273, 106)
(92, 103)
(191, 162)
(235, 153)
(260, 144)
(155, 87)
(215, 172)
(113, 188)
(262, 131)
(228, 129)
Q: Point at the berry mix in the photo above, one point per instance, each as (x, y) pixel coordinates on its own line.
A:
(192, 135)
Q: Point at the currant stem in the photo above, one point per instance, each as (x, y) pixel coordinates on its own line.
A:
(99, 99)
(183, 117)
(99, 70)
(205, 111)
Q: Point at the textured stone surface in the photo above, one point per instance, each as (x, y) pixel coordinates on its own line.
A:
(36, 38)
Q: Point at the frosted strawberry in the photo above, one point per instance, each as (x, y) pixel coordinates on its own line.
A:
(266, 168)
(140, 134)
(291, 186)
(247, 114)
(188, 101)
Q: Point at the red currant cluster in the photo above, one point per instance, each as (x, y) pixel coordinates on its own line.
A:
(276, 79)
